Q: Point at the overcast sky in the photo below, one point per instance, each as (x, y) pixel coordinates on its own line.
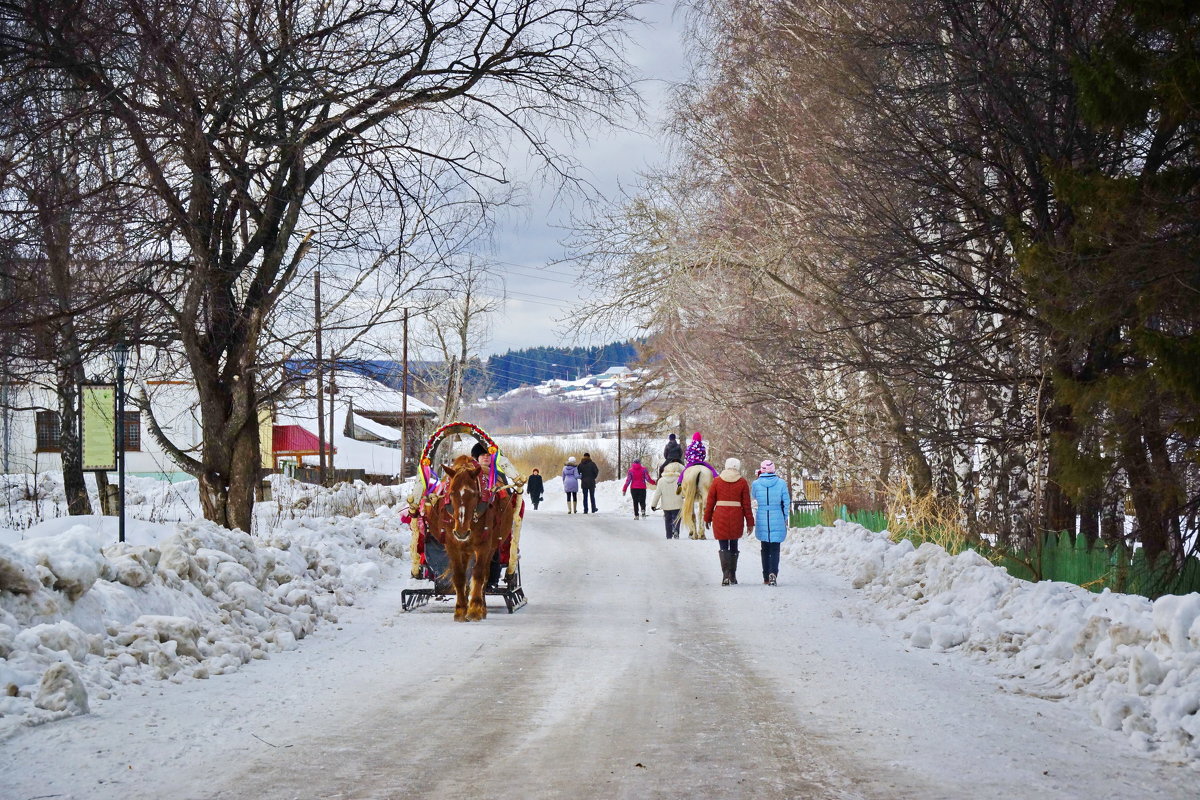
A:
(528, 240)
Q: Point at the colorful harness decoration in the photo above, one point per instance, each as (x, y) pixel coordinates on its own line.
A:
(494, 484)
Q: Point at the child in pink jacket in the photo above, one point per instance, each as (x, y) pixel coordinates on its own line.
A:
(635, 482)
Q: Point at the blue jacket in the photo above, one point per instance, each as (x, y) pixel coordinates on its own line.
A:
(771, 519)
(570, 478)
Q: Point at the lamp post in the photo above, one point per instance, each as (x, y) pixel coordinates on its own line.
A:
(120, 358)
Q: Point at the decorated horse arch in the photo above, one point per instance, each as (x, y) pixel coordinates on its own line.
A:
(466, 526)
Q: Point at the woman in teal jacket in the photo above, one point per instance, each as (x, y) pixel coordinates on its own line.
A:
(771, 495)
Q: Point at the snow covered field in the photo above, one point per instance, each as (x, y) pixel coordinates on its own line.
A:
(87, 625)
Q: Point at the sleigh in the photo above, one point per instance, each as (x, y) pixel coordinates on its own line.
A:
(430, 561)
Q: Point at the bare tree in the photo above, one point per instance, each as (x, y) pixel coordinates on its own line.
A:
(248, 117)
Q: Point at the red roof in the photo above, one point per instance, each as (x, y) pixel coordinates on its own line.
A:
(294, 439)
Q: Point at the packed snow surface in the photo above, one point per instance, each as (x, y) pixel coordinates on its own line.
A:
(83, 619)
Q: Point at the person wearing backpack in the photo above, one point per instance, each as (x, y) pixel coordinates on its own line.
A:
(770, 494)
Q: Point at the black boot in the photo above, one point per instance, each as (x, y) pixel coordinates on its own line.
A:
(725, 562)
(733, 559)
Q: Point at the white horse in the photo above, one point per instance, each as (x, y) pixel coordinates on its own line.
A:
(696, 480)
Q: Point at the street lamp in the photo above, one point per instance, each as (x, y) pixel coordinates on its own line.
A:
(120, 358)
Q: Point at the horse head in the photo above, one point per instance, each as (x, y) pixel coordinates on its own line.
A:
(463, 495)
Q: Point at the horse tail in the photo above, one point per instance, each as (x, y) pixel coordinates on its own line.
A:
(691, 485)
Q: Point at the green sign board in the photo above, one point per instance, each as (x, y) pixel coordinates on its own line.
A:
(99, 405)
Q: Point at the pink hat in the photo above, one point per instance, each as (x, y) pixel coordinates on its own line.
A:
(767, 466)
(696, 436)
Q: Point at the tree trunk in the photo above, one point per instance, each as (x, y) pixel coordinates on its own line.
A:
(229, 454)
(71, 445)
(1058, 511)
(56, 229)
(1154, 486)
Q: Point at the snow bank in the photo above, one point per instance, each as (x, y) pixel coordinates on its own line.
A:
(80, 616)
(1132, 662)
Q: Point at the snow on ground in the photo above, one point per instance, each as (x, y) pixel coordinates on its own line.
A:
(83, 619)
(81, 615)
(1133, 663)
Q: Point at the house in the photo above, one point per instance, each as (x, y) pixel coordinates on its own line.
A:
(370, 421)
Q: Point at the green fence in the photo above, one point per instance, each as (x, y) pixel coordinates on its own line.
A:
(1058, 557)
(871, 520)
(1061, 557)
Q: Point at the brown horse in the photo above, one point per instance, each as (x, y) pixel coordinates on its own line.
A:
(471, 522)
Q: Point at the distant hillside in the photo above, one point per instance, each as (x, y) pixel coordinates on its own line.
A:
(536, 364)
(503, 372)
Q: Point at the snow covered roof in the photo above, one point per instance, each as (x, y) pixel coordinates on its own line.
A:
(369, 394)
(386, 432)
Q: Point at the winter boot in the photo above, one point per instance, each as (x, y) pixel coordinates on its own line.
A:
(574, 506)
(725, 566)
(733, 559)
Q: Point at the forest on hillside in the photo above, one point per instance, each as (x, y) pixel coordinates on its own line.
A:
(536, 364)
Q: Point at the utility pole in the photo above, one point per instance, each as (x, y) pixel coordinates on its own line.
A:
(404, 404)
(332, 427)
(320, 384)
(618, 432)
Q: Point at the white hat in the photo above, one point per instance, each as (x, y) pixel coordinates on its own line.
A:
(733, 463)
(571, 460)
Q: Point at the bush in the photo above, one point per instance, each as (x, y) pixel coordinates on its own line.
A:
(550, 456)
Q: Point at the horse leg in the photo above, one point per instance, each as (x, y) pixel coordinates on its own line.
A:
(458, 576)
(477, 607)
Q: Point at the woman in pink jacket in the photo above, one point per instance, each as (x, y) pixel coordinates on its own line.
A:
(635, 481)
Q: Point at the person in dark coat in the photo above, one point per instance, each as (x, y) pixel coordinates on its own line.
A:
(672, 452)
(588, 473)
(726, 509)
(534, 488)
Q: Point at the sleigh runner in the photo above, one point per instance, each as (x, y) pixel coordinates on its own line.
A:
(456, 519)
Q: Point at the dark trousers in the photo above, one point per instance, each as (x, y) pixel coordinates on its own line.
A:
(572, 496)
(728, 544)
(770, 558)
(671, 520)
(639, 501)
(589, 491)
(535, 501)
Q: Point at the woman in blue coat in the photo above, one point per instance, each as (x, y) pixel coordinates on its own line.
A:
(771, 495)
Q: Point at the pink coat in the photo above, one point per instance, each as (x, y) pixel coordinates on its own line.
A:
(637, 478)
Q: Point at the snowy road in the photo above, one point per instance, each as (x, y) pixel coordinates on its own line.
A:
(631, 674)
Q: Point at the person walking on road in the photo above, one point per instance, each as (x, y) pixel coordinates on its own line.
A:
(770, 494)
(570, 475)
(635, 481)
(588, 473)
(669, 496)
(534, 488)
(725, 509)
(673, 452)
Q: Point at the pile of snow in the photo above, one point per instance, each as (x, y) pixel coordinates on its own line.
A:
(1132, 662)
(80, 616)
